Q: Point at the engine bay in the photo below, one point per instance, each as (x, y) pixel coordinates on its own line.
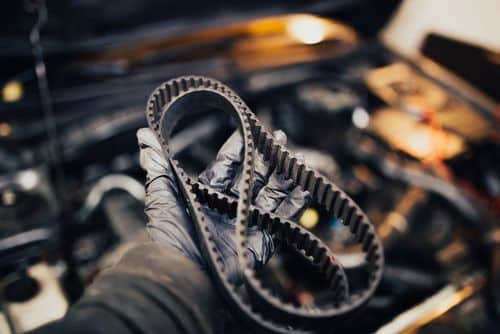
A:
(415, 147)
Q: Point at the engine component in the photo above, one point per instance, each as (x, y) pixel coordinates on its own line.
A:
(434, 307)
(401, 87)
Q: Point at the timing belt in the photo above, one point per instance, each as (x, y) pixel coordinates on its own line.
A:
(258, 305)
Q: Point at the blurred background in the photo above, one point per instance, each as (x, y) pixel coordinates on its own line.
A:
(395, 101)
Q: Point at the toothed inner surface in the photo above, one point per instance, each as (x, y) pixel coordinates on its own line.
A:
(261, 309)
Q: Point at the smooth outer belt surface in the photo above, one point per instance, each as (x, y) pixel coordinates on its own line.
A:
(258, 306)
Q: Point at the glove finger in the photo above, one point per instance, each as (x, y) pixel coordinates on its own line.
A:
(168, 222)
(294, 204)
(221, 172)
(262, 171)
(260, 244)
(152, 159)
(274, 192)
(223, 231)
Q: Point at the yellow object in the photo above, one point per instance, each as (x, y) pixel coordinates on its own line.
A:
(402, 131)
(308, 30)
(5, 129)
(403, 88)
(310, 218)
(12, 91)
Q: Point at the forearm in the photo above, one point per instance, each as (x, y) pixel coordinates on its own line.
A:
(151, 290)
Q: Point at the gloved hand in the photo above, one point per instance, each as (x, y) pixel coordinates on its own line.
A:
(169, 223)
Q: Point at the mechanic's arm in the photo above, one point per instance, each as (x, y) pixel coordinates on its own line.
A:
(152, 289)
(163, 286)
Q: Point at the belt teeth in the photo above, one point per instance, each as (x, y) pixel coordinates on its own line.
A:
(296, 170)
(264, 310)
(360, 234)
(184, 84)
(161, 97)
(355, 224)
(175, 88)
(286, 170)
(280, 161)
(367, 240)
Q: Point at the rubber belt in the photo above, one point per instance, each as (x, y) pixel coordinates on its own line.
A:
(257, 305)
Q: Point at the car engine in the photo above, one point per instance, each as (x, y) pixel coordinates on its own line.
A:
(412, 137)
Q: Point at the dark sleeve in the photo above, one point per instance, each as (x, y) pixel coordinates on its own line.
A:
(151, 290)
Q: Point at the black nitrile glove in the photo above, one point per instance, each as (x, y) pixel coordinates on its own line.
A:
(161, 286)
(169, 223)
